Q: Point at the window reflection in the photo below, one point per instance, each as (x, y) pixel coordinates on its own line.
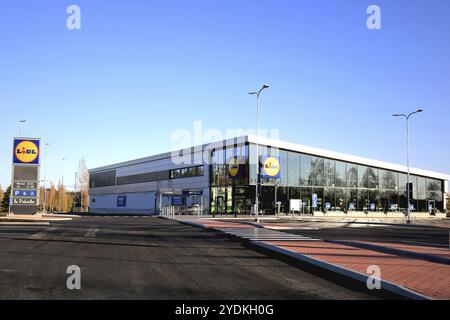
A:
(339, 186)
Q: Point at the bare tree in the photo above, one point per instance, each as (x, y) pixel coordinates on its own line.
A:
(41, 198)
(1, 193)
(51, 197)
(83, 178)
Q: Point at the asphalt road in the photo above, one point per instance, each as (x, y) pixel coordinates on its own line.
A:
(148, 258)
(410, 235)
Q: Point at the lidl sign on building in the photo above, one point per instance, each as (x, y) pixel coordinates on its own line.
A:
(271, 168)
(234, 168)
(25, 176)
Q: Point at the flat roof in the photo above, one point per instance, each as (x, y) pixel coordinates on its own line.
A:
(287, 146)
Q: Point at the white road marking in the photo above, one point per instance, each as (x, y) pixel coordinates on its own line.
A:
(260, 234)
(91, 233)
(40, 235)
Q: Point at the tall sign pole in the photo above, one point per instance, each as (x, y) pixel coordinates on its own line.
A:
(25, 176)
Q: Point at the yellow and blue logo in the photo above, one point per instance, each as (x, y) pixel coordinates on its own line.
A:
(233, 167)
(26, 151)
(271, 168)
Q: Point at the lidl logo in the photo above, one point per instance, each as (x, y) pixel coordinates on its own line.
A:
(233, 167)
(26, 151)
(271, 167)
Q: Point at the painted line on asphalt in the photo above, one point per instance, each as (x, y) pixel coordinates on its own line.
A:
(91, 233)
(42, 234)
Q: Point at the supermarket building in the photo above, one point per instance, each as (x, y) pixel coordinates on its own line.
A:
(221, 178)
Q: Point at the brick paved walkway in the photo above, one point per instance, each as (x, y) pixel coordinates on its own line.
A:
(434, 251)
(427, 278)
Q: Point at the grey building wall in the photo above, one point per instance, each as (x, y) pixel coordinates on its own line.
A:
(138, 203)
(143, 198)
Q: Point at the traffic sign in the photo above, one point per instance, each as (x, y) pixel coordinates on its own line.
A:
(25, 193)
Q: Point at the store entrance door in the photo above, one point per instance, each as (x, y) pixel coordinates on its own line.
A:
(267, 199)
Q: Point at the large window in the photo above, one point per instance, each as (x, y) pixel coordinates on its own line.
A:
(329, 198)
(143, 177)
(341, 185)
(189, 172)
(402, 180)
(434, 185)
(363, 199)
(342, 196)
(341, 174)
(352, 175)
(421, 188)
(283, 181)
(294, 169)
(352, 201)
(372, 178)
(374, 200)
(362, 177)
(388, 180)
(101, 179)
(317, 171)
(329, 172)
(305, 171)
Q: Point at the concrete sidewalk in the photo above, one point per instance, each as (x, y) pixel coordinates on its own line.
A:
(36, 218)
(410, 276)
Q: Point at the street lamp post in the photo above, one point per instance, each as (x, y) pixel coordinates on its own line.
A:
(257, 93)
(61, 201)
(20, 126)
(407, 116)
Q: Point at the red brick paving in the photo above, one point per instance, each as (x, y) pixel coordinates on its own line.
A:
(427, 278)
(439, 252)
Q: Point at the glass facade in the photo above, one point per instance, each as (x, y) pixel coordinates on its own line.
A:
(322, 184)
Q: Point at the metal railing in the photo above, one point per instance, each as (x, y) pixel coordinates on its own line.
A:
(172, 211)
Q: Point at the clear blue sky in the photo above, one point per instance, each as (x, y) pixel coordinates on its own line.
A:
(138, 70)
